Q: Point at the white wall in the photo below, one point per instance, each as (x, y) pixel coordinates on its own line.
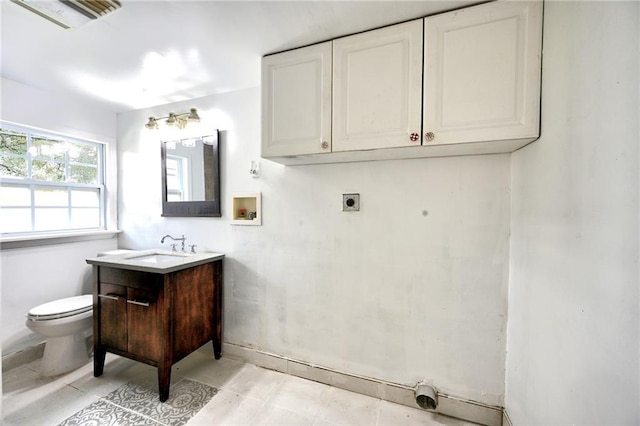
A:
(573, 299)
(34, 275)
(412, 287)
(56, 112)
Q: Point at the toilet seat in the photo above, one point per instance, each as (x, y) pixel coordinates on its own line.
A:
(62, 308)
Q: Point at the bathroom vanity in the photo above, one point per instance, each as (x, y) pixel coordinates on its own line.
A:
(156, 307)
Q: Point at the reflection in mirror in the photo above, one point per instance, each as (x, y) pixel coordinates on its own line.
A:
(191, 177)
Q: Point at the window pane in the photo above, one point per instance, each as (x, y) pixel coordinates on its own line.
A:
(15, 220)
(85, 197)
(71, 198)
(174, 178)
(48, 197)
(15, 196)
(12, 142)
(49, 148)
(173, 182)
(83, 174)
(171, 196)
(15, 167)
(49, 219)
(85, 154)
(85, 218)
(48, 171)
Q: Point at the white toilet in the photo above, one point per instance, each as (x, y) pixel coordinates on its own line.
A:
(65, 324)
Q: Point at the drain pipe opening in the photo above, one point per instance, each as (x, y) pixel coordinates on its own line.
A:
(426, 396)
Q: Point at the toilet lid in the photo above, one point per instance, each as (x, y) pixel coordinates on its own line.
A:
(62, 308)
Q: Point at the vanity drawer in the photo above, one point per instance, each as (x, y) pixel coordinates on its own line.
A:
(134, 279)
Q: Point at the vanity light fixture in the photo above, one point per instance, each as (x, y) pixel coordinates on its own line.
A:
(174, 120)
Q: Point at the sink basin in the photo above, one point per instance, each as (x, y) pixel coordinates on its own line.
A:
(158, 256)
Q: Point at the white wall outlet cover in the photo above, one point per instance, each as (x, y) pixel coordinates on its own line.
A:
(350, 202)
(254, 169)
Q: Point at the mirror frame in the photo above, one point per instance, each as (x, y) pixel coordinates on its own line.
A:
(210, 208)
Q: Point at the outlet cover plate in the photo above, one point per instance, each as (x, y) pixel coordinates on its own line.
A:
(350, 202)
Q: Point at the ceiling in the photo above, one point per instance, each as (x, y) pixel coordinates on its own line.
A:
(156, 52)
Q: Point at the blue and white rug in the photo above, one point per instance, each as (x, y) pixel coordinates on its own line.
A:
(138, 404)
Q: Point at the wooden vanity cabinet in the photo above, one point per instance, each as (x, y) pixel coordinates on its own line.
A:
(156, 318)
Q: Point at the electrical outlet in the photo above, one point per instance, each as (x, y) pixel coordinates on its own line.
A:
(350, 202)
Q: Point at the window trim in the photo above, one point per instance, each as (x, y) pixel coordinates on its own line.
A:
(23, 241)
(107, 169)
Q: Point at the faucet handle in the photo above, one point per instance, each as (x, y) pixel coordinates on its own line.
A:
(193, 248)
(174, 247)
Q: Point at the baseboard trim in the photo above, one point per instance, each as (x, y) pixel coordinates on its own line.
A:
(506, 420)
(32, 353)
(448, 405)
(24, 356)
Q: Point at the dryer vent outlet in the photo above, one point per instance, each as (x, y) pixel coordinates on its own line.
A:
(426, 397)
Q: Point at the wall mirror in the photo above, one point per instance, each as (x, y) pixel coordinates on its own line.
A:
(191, 176)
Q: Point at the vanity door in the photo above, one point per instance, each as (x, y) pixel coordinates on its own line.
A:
(145, 327)
(112, 322)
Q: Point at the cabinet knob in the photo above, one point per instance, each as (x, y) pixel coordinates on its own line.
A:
(325, 145)
(429, 136)
(413, 137)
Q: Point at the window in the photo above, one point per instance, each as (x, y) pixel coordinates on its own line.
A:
(49, 182)
(176, 182)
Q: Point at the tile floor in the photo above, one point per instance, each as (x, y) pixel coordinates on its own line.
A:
(247, 395)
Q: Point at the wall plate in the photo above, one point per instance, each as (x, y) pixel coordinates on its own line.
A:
(350, 202)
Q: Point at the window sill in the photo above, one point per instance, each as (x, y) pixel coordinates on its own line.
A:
(59, 238)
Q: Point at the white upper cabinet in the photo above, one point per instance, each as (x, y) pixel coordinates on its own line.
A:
(377, 88)
(458, 83)
(482, 75)
(296, 101)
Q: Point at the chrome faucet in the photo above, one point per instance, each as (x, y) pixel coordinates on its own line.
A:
(174, 239)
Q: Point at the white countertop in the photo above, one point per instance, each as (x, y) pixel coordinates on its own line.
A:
(142, 260)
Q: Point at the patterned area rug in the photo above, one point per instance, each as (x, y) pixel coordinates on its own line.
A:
(138, 404)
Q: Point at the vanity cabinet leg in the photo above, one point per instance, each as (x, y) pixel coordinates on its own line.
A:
(164, 380)
(217, 347)
(217, 316)
(99, 355)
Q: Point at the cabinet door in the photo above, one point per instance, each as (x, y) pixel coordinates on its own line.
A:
(144, 323)
(112, 309)
(377, 88)
(296, 101)
(482, 73)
